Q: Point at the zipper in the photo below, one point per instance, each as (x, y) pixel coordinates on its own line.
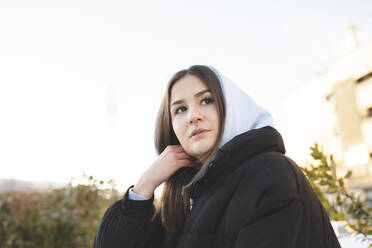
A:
(193, 194)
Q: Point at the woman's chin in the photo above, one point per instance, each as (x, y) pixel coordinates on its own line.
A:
(200, 153)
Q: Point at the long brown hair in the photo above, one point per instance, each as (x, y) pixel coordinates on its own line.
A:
(174, 203)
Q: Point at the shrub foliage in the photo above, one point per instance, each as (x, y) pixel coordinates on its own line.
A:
(341, 204)
(64, 217)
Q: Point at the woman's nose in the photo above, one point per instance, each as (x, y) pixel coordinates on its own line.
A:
(195, 115)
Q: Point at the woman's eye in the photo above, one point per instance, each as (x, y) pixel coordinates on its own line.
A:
(208, 100)
(176, 112)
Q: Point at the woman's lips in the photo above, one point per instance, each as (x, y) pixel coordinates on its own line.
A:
(199, 135)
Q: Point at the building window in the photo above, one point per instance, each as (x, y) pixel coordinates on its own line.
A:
(331, 98)
(369, 112)
(365, 77)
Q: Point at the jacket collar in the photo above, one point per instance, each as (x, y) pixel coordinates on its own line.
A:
(234, 152)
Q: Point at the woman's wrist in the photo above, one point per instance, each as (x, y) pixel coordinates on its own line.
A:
(144, 188)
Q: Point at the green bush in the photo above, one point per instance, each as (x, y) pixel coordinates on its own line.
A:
(340, 203)
(65, 217)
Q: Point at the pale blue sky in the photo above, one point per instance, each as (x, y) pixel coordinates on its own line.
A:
(81, 81)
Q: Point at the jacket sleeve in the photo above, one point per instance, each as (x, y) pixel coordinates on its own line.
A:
(128, 223)
(134, 196)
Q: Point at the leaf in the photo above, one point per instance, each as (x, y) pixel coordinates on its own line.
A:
(348, 174)
(324, 182)
(332, 190)
(338, 199)
(341, 182)
(352, 227)
(350, 210)
(316, 154)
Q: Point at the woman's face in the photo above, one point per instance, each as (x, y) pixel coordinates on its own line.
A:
(193, 107)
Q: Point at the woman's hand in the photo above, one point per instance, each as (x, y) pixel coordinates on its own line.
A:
(169, 161)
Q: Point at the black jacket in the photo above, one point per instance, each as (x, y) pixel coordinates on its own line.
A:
(253, 196)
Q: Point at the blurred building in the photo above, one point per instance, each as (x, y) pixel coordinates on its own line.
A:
(335, 110)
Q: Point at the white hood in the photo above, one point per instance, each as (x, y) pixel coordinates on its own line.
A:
(242, 113)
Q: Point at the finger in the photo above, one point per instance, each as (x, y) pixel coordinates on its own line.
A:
(175, 146)
(183, 156)
(179, 148)
(174, 149)
(185, 162)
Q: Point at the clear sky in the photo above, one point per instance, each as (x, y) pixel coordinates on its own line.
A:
(81, 81)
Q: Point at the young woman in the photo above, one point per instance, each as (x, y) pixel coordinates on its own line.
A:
(227, 182)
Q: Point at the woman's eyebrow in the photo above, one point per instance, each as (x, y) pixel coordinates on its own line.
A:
(196, 95)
